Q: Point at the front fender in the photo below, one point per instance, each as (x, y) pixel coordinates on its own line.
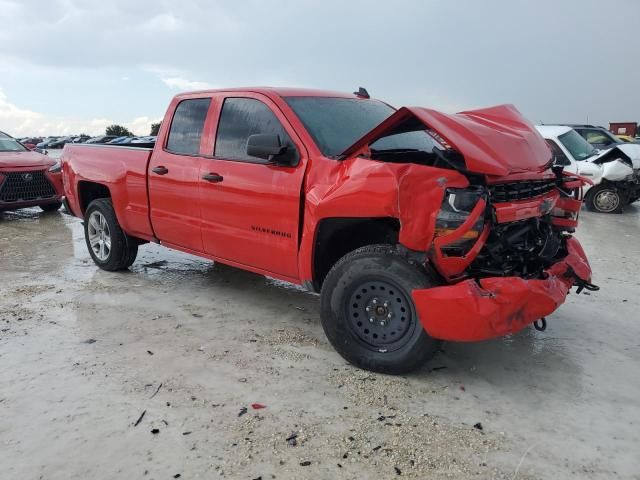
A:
(363, 188)
(616, 171)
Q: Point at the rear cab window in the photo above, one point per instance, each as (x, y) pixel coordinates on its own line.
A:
(187, 126)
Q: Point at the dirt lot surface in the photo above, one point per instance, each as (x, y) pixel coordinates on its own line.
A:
(156, 373)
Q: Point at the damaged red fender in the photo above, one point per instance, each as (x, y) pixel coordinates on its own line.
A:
(364, 188)
(497, 306)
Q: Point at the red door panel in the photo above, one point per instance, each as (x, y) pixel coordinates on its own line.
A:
(174, 174)
(175, 211)
(252, 215)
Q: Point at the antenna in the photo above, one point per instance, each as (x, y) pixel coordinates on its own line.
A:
(362, 93)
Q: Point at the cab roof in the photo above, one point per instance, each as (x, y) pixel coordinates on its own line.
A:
(277, 91)
(548, 131)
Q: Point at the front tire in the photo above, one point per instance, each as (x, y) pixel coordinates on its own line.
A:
(51, 207)
(368, 314)
(110, 248)
(604, 199)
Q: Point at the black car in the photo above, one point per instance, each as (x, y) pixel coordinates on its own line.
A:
(598, 137)
(61, 142)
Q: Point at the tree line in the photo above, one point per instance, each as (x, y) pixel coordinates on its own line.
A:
(120, 131)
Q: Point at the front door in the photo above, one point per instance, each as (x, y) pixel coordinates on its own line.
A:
(251, 207)
(174, 177)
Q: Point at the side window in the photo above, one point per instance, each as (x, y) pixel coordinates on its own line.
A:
(187, 125)
(595, 137)
(559, 158)
(241, 118)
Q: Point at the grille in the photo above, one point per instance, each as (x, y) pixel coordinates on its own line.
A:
(25, 186)
(506, 192)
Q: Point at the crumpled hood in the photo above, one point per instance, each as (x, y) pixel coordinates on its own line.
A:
(24, 159)
(495, 141)
(629, 150)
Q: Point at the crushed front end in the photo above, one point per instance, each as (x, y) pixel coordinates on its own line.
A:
(507, 253)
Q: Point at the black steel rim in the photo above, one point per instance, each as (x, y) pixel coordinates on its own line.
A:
(380, 315)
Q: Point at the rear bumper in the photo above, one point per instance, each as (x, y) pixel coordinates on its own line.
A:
(492, 307)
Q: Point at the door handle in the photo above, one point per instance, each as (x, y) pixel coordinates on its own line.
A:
(160, 170)
(213, 177)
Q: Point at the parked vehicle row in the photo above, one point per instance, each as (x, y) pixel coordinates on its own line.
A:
(48, 143)
(60, 142)
(133, 141)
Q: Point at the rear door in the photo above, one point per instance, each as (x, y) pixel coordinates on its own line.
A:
(250, 207)
(174, 176)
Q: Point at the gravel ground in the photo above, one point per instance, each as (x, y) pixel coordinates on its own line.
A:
(161, 372)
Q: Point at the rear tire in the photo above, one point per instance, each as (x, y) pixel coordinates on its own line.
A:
(368, 314)
(604, 199)
(110, 248)
(51, 207)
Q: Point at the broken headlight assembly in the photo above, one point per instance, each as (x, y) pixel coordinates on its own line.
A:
(457, 205)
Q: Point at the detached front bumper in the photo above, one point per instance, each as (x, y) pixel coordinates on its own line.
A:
(493, 307)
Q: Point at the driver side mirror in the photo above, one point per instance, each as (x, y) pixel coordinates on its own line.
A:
(270, 148)
(266, 146)
(561, 161)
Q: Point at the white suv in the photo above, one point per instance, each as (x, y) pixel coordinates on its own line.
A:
(615, 172)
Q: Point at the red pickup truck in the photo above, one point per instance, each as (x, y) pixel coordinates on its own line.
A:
(416, 226)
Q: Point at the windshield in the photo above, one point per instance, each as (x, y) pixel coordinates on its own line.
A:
(336, 123)
(9, 144)
(578, 147)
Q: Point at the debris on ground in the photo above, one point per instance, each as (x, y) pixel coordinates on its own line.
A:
(137, 422)
(155, 431)
(90, 341)
(291, 439)
(258, 406)
(242, 411)
(157, 390)
(478, 426)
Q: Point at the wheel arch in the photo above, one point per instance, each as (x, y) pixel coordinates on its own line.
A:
(337, 236)
(89, 191)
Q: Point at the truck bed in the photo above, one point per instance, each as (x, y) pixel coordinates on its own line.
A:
(120, 169)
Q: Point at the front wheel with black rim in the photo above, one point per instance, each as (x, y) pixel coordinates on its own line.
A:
(110, 248)
(368, 314)
(604, 199)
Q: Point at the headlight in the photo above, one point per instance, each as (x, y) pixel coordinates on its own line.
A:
(56, 167)
(454, 211)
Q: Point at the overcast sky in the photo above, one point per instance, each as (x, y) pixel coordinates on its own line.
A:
(68, 66)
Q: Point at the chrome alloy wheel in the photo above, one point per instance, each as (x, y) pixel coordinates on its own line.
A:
(99, 236)
(606, 201)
